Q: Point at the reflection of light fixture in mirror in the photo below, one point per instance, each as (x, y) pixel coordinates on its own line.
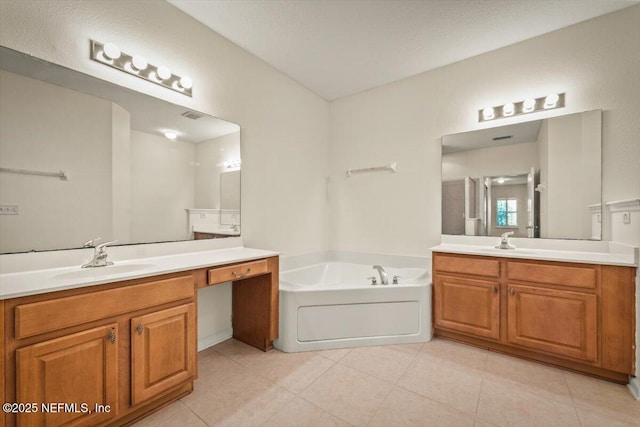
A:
(508, 109)
(500, 180)
(529, 105)
(111, 55)
(229, 164)
(170, 135)
(488, 113)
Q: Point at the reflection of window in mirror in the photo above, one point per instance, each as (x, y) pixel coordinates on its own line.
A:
(507, 212)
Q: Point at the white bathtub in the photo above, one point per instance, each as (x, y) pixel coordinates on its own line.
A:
(333, 305)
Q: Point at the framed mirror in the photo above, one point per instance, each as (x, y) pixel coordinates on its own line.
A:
(538, 179)
(82, 158)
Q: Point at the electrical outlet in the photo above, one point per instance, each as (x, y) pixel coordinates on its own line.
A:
(626, 217)
(9, 210)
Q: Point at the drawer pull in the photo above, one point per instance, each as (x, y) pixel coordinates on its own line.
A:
(140, 328)
(495, 289)
(512, 292)
(240, 276)
(112, 336)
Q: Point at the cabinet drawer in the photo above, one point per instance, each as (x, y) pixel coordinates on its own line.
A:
(45, 316)
(238, 271)
(467, 265)
(577, 277)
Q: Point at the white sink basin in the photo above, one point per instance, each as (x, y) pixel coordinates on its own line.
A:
(507, 251)
(99, 272)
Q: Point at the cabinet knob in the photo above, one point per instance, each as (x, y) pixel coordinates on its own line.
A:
(112, 336)
(240, 276)
(495, 289)
(140, 328)
(512, 292)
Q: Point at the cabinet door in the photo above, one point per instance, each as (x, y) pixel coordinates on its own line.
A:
(163, 351)
(467, 305)
(79, 370)
(559, 322)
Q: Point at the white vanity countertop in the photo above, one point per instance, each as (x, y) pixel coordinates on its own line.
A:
(34, 282)
(606, 258)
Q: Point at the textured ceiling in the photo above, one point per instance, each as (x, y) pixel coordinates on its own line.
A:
(340, 47)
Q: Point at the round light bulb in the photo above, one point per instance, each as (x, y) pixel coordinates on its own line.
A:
(508, 109)
(163, 73)
(488, 113)
(528, 105)
(170, 135)
(186, 82)
(111, 51)
(139, 63)
(551, 100)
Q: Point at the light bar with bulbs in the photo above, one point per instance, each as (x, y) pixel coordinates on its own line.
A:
(529, 105)
(111, 55)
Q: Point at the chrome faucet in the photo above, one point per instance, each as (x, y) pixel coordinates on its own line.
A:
(504, 241)
(99, 254)
(383, 274)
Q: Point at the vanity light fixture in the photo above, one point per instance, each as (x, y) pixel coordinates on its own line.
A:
(170, 135)
(529, 105)
(111, 55)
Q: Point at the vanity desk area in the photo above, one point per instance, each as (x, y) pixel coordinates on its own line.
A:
(570, 309)
(123, 344)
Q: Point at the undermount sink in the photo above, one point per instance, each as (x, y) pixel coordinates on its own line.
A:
(97, 272)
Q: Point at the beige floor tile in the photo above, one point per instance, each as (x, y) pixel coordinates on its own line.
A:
(174, 415)
(293, 371)
(505, 403)
(596, 400)
(387, 362)
(403, 408)
(238, 399)
(336, 354)
(456, 353)
(348, 394)
(299, 412)
(241, 352)
(546, 381)
(448, 382)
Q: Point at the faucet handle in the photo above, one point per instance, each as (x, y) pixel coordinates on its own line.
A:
(105, 244)
(395, 279)
(507, 234)
(373, 279)
(91, 243)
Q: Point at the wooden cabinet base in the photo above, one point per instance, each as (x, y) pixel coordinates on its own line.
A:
(530, 355)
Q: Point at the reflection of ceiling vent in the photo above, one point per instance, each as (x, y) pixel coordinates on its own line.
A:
(497, 138)
(192, 115)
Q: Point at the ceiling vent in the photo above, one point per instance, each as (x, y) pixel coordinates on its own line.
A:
(500, 138)
(192, 115)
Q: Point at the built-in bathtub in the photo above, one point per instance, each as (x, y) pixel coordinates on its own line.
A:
(334, 305)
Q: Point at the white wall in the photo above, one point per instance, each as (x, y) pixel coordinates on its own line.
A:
(162, 187)
(50, 215)
(210, 158)
(595, 63)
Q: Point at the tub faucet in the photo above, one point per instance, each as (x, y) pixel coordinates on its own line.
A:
(99, 254)
(504, 241)
(383, 274)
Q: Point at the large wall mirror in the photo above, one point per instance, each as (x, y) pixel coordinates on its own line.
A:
(538, 179)
(82, 158)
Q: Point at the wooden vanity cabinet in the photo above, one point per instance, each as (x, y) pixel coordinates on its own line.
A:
(579, 316)
(82, 348)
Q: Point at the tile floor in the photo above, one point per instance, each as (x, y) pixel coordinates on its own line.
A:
(440, 383)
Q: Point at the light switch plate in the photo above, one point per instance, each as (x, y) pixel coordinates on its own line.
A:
(626, 217)
(9, 210)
